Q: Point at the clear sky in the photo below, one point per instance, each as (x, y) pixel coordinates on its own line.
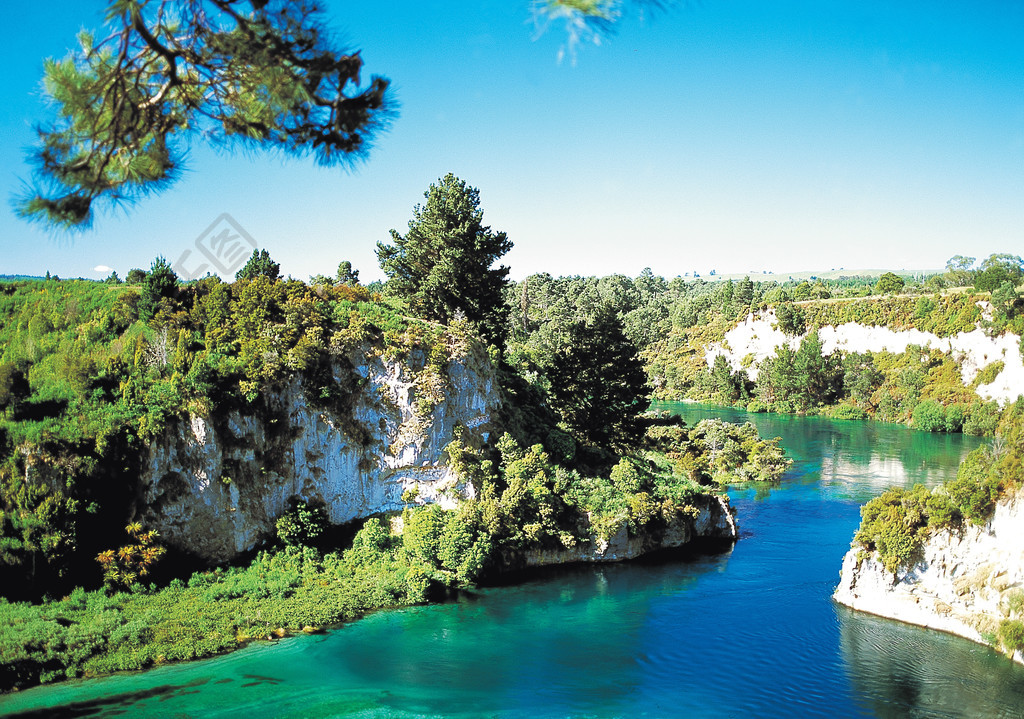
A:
(722, 134)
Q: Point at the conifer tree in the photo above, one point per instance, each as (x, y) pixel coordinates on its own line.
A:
(443, 264)
(259, 265)
(598, 385)
(264, 73)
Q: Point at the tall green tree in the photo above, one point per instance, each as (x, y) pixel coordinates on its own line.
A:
(443, 265)
(346, 275)
(263, 73)
(820, 375)
(598, 385)
(161, 282)
(259, 265)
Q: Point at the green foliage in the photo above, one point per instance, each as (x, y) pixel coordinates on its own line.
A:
(929, 416)
(846, 411)
(598, 386)
(895, 525)
(346, 275)
(302, 525)
(988, 373)
(790, 318)
(259, 265)
(890, 284)
(256, 73)
(159, 284)
(1011, 634)
(442, 267)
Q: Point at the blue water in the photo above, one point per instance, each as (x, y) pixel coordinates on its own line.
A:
(736, 632)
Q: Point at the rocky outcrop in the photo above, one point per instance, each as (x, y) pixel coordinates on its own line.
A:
(966, 582)
(214, 486)
(713, 520)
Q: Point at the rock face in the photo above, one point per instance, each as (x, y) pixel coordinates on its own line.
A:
(757, 337)
(714, 520)
(963, 584)
(214, 486)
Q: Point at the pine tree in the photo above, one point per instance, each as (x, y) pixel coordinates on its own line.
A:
(443, 264)
(259, 265)
(161, 282)
(598, 385)
(261, 73)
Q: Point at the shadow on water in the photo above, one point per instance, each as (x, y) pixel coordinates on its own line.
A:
(709, 632)
(114, 705)
(898, 670)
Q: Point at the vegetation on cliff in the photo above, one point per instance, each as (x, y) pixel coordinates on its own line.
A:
(93, 372)
(523, 501)
(897, 523)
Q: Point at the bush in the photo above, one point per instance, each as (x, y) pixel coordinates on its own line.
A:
(847, 411)
(982, 419)
(302, 525)
(975, 490)
(929, 416)
(1011, 634)
(756, 405)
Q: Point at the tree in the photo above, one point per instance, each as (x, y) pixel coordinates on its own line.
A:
(263, 73)
(1006, 300)
(442, 266)
(346, 275)
(160, 282)
(996, 270)
(889, 284)
(598, 385)
(135, 276)
(958, 270)
(259, 265)
(820, 376)
(790, 318)
(744, 292)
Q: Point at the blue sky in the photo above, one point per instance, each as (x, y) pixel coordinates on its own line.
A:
(721, 134)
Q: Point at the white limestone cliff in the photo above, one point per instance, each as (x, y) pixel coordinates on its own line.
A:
(214, 486)
(964, 583)
(756, 338)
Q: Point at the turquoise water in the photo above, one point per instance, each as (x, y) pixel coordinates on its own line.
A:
(735, 632)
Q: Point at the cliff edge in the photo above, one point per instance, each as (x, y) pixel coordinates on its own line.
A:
(214, 486)
(966, 582)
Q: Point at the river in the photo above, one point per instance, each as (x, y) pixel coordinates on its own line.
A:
(748, 631)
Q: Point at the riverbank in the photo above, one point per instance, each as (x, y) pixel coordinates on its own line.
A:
(967, 581)
(666, 631)
(297, 590)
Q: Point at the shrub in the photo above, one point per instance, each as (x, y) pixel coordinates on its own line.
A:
(1011, 634)
(847, 411)
(302, 524)
(756, 405)
(929, 416)
(982, 419)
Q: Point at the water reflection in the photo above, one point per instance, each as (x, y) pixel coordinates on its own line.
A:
(849, 459)
(572, 641)
(898, 670)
